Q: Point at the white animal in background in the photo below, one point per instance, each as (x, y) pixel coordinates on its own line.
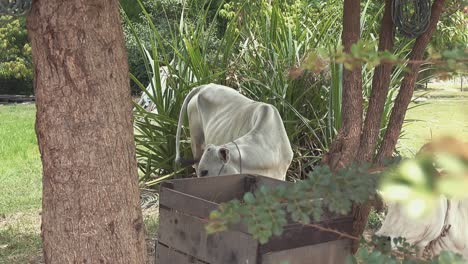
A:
(164, 74)
(445, 229)
(145, 100)
(232, 134)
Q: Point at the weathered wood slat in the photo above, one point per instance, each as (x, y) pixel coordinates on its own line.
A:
(186, 203)
(221, 189)
(185, 206)
(298, 235)
(333, 252)
(214, 189)
(188, 235)
(165, 255)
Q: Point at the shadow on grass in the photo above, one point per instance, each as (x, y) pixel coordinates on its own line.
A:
(17, 246)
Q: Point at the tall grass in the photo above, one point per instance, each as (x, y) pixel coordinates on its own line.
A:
(191, 61)
(271, 47)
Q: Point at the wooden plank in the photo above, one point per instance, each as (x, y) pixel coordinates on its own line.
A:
(173, 200)
(298, 235)
(187, 234)
(269, 182)
(186, 203)
(214, 189)
(333, 252)
(222, 188)
(165, 255)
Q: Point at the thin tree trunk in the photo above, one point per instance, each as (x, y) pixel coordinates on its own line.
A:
(371, 129)
(407, 86)
(91, 210)
(344, 148)
(380, 84)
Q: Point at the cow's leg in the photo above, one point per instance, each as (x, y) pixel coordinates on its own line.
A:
(197, 136)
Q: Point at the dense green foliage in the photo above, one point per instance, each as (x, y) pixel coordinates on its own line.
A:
(191, 58)
(15, 58)
(166, 17)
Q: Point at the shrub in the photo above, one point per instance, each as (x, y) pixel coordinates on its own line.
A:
(15, 59)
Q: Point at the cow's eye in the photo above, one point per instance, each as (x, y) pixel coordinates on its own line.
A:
(204, 173)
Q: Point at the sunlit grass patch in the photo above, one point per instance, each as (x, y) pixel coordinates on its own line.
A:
(20, 240)
(435, 118)
(20, 165)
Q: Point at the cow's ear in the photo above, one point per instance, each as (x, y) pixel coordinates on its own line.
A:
(223, 154)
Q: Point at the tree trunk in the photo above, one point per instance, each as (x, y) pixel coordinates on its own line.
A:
(371, 129)
(91, 210)
(344, 148)
(407, 86)
(380, 84)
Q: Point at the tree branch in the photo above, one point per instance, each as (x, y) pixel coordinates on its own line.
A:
(380, 84)
(407, 86)
(344, 148)
(325, 229)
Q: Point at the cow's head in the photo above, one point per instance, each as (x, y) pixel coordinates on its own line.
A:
(218, 160)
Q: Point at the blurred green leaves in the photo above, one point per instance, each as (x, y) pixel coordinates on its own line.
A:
(441, 168)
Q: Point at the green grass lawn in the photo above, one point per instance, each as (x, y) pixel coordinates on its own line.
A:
(431, 119)
(20, 165)
(446, 89)
(20, 185)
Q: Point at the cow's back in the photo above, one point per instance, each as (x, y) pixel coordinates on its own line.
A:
(224, 113)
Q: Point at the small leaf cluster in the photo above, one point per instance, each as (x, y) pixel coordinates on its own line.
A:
(364, 53)
(455, 60)
(265, 211)
(378, 250)
(441, 168)
(360, 53)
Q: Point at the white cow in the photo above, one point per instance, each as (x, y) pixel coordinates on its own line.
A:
(445, 229)
(232, 134)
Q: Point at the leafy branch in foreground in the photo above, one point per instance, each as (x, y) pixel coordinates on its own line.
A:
(364, 53)
(379, 250)
(265, 211)
(441, 168)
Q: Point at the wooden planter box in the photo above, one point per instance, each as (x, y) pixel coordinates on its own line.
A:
(185, 206)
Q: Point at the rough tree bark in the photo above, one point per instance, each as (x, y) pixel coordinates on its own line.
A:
(371, 128)
(380, 85)
(407, 86)
(91, 210)
(344, 148)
